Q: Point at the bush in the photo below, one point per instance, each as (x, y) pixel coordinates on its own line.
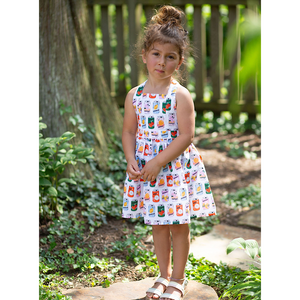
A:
(55, 153)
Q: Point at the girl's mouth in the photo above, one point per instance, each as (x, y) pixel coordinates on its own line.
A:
(159, 71)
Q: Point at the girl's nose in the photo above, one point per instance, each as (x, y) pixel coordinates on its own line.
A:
(161, 62)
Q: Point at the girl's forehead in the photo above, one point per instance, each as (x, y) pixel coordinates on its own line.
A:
(168, 47)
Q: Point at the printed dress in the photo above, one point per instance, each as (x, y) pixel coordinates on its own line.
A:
(181, 190)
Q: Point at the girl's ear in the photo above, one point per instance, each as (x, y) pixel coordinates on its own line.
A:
(179, 64)
(144, 56)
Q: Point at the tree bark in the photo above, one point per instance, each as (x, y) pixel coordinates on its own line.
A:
(70, 71)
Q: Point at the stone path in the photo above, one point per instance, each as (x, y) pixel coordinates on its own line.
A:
(136, 291)
(212, 246)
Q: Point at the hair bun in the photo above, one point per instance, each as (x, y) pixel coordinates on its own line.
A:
(168, 15)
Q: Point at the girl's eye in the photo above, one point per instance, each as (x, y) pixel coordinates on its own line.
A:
(171, 57)
(155, 53)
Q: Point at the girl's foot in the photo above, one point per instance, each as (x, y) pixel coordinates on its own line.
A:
(176, 292)
(158, 288)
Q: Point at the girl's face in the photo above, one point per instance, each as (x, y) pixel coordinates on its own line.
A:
(162, 60)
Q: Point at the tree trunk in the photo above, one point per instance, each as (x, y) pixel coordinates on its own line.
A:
(70, 71)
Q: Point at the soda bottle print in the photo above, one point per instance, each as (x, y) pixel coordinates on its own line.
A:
(187, 209)
(170, 210)
(191, 190)
(176, 222)
(155, 107)
(179, 210)
(141, 204)
(125, 189)
(161, 180)
(165, 195)
(139, 91)
(143, 120)
(125, 204)
(164, 109)
(154, 150)
(131, 191)
(171, 119)
(183, 194)
(174, 195)
(194, 176)
(151, 122)
(176, 180)
(134, 204)
(168, 105)
(187, 177)
(147, 149)
(207, 188)
(160, 122)
(174, 134)
(199, 188)
(153, 183)
(147, 195)
(138, 190)
(161, 210)
(169, 180)
(205, 203)
(155, 196)
(196, 204)
(188, 165)
(151, 210)
(140, 107)
(160, 148)
(170, 166)
(146, 106)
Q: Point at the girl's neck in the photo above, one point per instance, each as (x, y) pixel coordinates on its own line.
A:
(157, 87)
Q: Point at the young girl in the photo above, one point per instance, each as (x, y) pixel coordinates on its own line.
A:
(166, 182)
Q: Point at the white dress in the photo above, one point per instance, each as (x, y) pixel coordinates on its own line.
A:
(181, 190)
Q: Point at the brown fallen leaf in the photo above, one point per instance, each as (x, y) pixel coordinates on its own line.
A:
(70, 251)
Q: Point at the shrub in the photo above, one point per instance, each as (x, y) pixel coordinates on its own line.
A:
(55, 153)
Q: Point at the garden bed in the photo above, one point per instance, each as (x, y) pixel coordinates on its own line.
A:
(226, 174)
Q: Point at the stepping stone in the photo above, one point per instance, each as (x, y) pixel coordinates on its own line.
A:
(213, 245)
(136, 290)
(251, 218)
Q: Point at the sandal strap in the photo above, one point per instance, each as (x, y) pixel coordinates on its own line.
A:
(180, 287)
(170, 296)
(154, 291)
(163, 281)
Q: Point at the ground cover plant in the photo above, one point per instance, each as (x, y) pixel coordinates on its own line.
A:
(74, 254)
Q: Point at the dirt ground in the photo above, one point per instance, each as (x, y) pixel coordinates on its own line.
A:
(226, 174)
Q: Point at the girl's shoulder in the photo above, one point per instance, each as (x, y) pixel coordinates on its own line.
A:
(182, 93)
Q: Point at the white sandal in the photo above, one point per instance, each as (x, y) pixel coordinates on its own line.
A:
(155, 291)
(180, 287)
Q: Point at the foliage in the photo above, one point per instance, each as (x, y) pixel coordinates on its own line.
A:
(99, 197)
(250, 288)
(221, 277)
(202, 225)
(251, 247)
(54, 155)
(207, 123)
(244, 197)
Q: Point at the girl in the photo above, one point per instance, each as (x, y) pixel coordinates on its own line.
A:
(166, 182)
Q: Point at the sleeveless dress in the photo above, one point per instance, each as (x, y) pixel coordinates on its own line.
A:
(181, 190)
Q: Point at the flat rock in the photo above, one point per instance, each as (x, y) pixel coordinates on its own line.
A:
(213, 245)
(136, 290)
(251, 218)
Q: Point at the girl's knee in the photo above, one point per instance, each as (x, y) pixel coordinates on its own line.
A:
(182, 229)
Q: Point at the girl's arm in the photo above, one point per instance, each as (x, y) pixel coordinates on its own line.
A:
(128, 136)
(186, 126)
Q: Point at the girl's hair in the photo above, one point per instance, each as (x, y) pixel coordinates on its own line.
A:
(166, 27)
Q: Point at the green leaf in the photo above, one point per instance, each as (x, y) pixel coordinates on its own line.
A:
(42, 168)
(67, 136)
(68, 180)
(42, 126)
(261, 251)
(252, 248)
(81, 160)
(44, 182)
(52, 191)
(236, 243)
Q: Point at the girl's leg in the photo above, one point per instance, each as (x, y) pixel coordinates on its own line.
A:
(162, 244)
(181, 247)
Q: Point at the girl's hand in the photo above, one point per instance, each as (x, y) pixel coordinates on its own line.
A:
(150, 170)
(133, 169)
